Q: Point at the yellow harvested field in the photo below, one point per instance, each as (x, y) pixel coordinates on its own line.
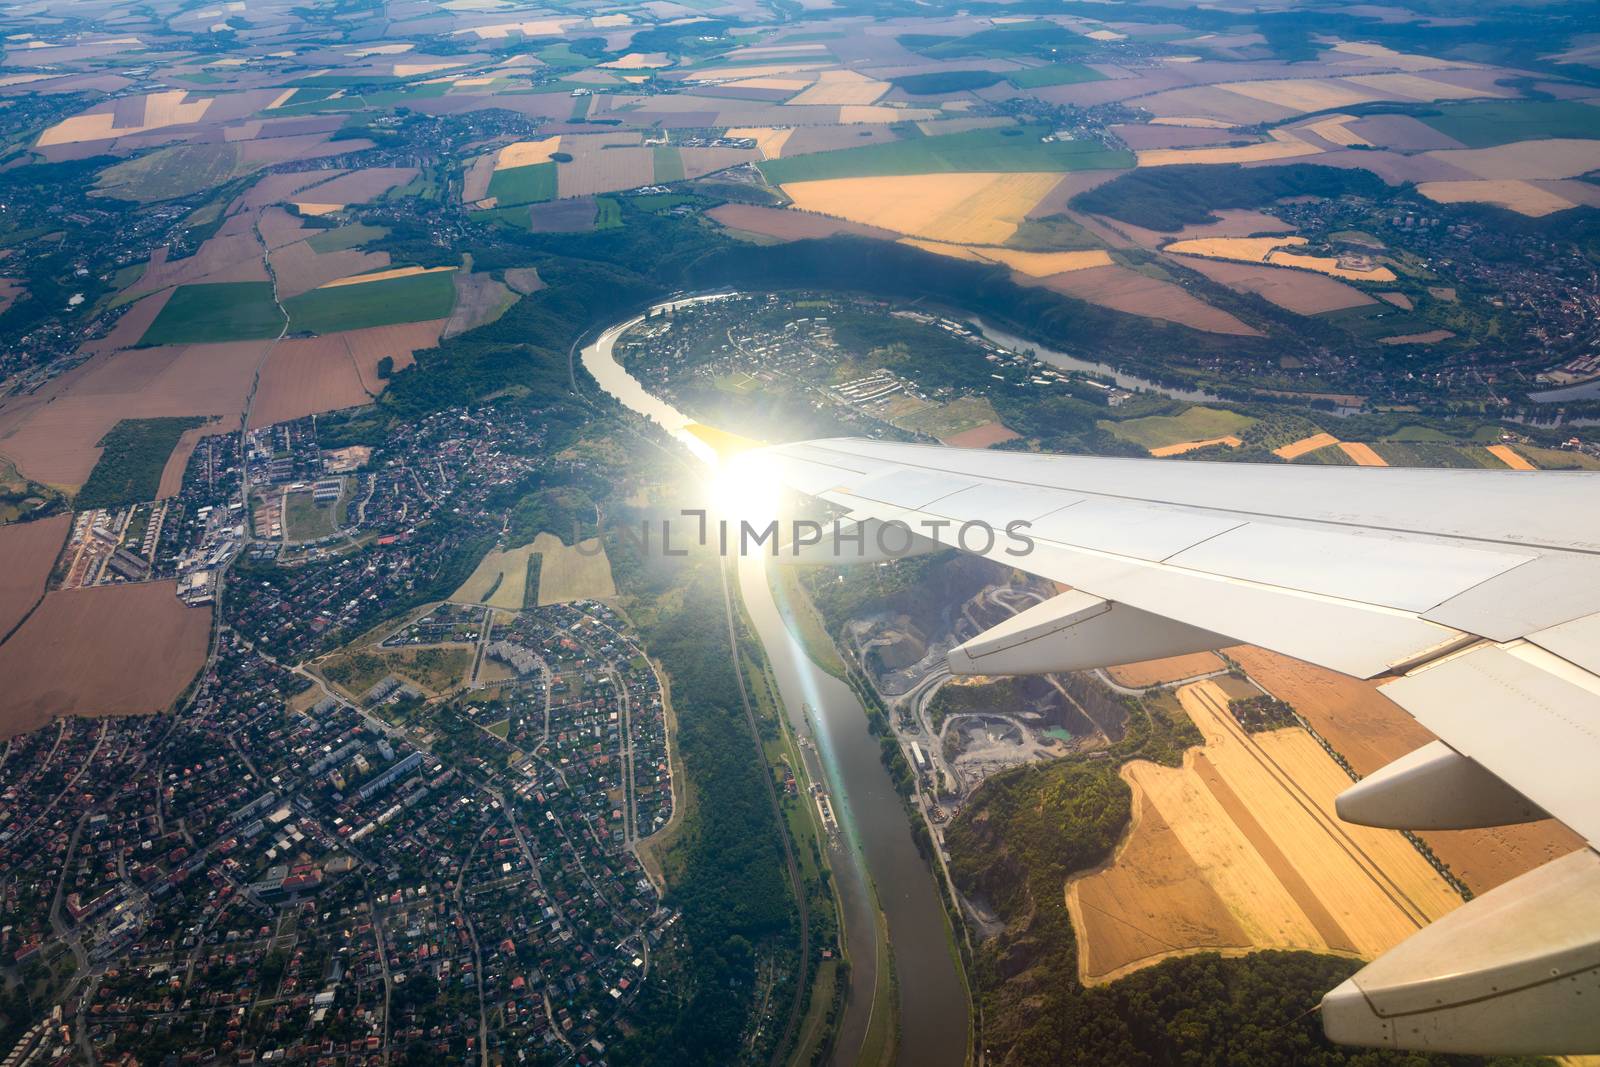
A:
(579, 572)
(1305, 445)
(160, 110)
(1195, 122)
(532, 28)
(500, 579)
(1522, 197)
(1303, 94)
(838, 88)
(1420, 88)
(307, 208)
(1402, 60)
(413, 70)
(1329, 265)
(769, 141)
(1511, 458)
(382, 50)
(1190, 446)
(762, 71)
(1244, 249)
(281, 99)
(382, 276)
(1369, 730)
(1362, 454)
(526, 153)
(1106, 35)
(1241, 850)
(1269, 250)
(863, 114)
(782, 85)
(1284, 145)
(1165, 671)
(1033, 264)
(1333, 128)
(639, 61)
(983, 209)
(605, 21)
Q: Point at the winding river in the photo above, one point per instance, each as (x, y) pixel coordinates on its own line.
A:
(875, 863)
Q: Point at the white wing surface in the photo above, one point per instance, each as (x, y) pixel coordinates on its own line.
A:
(1476, 592)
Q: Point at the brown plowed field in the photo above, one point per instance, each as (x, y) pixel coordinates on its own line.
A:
(1125, 290)
(790, 225)
(107, 650)
(1298, 291)
(172, 473)
(308, 376)
(1369, 730)
(57, 442)
(29, 549)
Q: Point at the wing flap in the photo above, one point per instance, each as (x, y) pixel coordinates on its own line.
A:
(1526, 714)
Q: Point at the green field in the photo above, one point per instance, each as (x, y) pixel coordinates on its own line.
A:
(343, 237)
(168, 173)
(216, 312)
(131, 460)
(668, 164)
(1054, 74)
(940, 82)
(1484, 125)
(1196, 424)
(417, 298)
(608, 213)
(524, 185)
(999, 42)
(1435, 454)
(1007, 148)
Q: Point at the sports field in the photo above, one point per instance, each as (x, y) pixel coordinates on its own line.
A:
(215, 312)
(1004, 148)
(409, 298)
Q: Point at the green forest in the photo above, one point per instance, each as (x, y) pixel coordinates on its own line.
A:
(132, 458)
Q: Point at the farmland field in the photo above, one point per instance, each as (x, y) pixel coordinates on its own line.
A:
(168, 173)
(567, 573)
(975, 208)
(1195, 424)
(499, 580)
(1054, 74)
(1241, 849)
(344, 237)
(414, 298)
(1004, 148)
(220, 311)
(109, 650)
(1486, 124)
(29, 548)
(1369, 730)
(524, 185)
(668, 164)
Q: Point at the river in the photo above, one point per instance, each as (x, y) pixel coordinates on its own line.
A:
(874, 859)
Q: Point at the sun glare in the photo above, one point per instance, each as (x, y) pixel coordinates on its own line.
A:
(745, 487)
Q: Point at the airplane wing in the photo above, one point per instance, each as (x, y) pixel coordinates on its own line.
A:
(1476, 593)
